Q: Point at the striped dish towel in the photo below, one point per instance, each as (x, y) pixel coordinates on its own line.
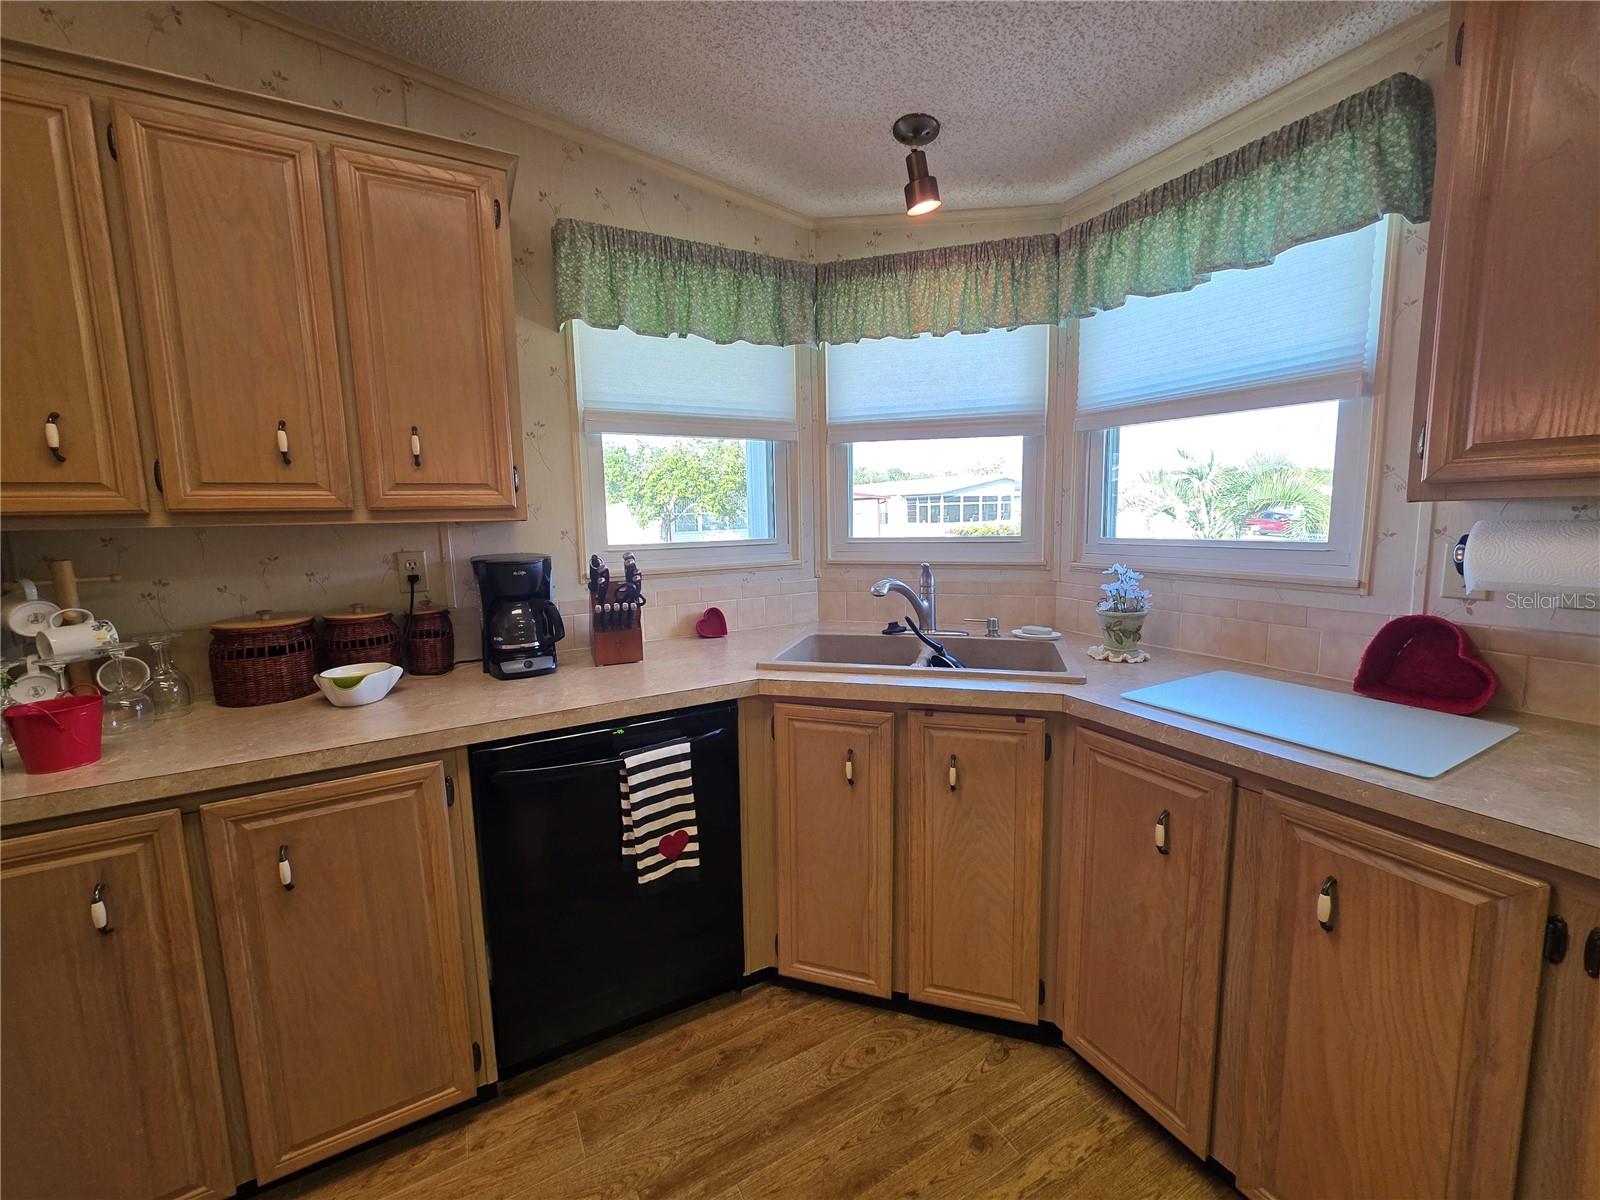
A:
(658, 819)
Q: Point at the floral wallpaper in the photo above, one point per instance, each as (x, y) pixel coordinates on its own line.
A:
(186, 578)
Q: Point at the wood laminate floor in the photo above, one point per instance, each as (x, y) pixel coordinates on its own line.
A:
(779, 1093)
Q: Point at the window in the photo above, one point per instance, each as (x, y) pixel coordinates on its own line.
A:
(1229, 428)
(686, 447)
(936, 446)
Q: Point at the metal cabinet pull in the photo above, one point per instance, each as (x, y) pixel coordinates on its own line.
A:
(1325, 903)
(952, 772)
(283, 442)
(1161, 832)
(285, 871)
(416, 447)
(97, 909)
(850, 767)
(52, 436)
(1591, 954)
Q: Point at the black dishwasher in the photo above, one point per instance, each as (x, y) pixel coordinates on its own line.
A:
(577, 948)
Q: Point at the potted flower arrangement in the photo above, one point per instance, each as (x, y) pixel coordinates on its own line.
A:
(1122, 615)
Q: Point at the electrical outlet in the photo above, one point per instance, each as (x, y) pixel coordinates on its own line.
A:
(408, 563)
(1451, 585)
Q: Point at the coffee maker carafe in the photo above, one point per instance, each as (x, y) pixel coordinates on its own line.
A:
(521, 624)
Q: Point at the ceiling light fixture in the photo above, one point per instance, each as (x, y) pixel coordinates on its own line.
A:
(922, 193)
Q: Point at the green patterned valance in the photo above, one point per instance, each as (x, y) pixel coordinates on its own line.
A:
(961, 289)
(661, 285)
(1336, 170)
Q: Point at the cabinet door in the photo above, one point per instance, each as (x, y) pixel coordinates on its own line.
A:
(427, 291)
(1391, 1014)
(109, 1071)
(1143, 909)
(230, 255)
(835, 808)
(342, 944)
(63, 361)
(1512, 299)
(975, 810)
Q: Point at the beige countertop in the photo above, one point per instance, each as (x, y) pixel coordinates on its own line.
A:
(1537, 794)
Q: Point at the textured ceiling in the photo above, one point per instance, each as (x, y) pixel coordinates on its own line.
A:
(793, 101)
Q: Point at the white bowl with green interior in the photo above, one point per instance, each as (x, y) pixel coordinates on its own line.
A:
(358, 683)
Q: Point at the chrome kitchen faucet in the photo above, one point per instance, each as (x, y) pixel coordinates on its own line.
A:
(924, 601)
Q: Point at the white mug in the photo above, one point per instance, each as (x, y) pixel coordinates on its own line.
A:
(26, 615)
(57, 639)
(36, 683)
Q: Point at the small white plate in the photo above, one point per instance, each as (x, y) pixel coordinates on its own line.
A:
(1052, 636)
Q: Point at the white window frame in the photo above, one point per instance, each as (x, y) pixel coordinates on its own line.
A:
(673, 558)
(1342, 561)
(1029, 549)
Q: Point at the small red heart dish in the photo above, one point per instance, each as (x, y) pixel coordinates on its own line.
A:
(672, 844)
(1426, 662)
(712, 624)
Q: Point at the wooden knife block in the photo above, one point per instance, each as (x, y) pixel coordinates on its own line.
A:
(612, 647)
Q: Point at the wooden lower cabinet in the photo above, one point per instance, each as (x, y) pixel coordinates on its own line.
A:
(975, 815)
(835, 838)
(1391, 1013)
(1144, 900)
(341, 939)
(1560, 1149)
(108, 1071)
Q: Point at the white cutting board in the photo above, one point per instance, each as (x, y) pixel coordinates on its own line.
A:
(1417, 741)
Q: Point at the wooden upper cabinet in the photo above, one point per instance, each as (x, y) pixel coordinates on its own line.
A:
(109, 1071)
(835, 813)
(63, 361)
(230, 257)
(1143, 908)
(1508, 397)
(1391, 1014)
(427, 294)
(341, 939)
(975, 811)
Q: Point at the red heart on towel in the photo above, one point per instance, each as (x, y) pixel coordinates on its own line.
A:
(672, 845)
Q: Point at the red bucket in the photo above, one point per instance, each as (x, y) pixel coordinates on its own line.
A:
(57, 735)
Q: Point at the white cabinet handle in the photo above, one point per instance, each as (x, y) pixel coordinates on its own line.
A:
(850, 767)
(285, 871)
(97, 909)
(283, 442)
(1325, 903)
(52, 436)
(1161, 832)
(952, 772)
(416, 447)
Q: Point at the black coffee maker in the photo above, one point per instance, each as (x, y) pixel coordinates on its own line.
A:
(521, 624)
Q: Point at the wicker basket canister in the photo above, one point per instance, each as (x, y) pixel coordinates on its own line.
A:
(431, 642)
(264, 659)
(359, 634)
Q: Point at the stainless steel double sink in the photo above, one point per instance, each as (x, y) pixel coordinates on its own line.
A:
(903, 654)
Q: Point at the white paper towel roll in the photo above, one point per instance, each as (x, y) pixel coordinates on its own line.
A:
(1533, 556)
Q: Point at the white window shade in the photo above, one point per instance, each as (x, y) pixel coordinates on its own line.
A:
(1301, 329)
(684, 386)
(958, 385)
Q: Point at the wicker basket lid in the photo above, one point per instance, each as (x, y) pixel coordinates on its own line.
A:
(265, 618)
(357, 612)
